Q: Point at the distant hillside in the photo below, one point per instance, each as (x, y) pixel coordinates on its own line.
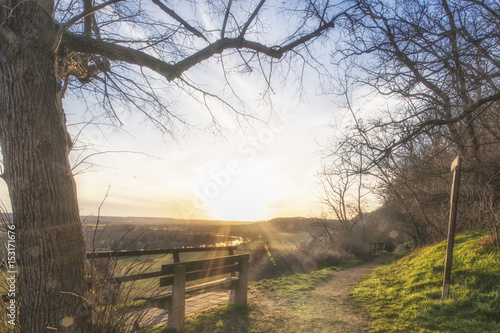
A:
(283, 223)
(153, 221)
(151, 233)
(290, 223)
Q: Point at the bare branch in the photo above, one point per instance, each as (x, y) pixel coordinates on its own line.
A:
(87, 20)
(179, 19)
(251, 18)
(226, 17)
(117, 52)
(171, 71)
(85, 159)
(225, 44)
(421, 127)
(87, 15)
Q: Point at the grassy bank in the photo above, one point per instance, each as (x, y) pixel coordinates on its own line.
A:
(405, 295)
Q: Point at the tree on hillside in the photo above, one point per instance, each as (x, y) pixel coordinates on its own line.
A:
(433, 70)
(116, 51)
(343, 191)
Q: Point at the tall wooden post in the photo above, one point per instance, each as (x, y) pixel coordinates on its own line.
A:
(177, 309)
(240, 295)
(455, 168)
(231, 253)
(176, 257)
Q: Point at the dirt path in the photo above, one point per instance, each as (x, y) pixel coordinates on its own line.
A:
(326, 309)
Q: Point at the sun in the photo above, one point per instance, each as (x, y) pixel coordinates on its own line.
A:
(246, 197)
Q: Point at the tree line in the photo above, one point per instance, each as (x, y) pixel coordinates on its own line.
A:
(430, 73)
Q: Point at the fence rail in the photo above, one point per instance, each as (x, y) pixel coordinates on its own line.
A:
(178, 273)
(182, 272)
(376, 248)
(134, 253)
(174, 252)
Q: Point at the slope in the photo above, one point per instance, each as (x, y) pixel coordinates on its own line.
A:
(405, 295)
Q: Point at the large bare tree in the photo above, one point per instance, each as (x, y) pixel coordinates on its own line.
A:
(437, 60)
(431, 71)
(109, 50)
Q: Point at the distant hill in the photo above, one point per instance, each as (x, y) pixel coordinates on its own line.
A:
(290, 223)
(295, 223)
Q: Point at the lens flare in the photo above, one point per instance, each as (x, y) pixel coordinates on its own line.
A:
(67, 321)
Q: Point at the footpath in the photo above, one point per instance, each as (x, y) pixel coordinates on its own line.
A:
(326, 309)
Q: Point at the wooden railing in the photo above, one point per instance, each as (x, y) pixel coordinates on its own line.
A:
(178, 273)
(175, 252)
(376, 248)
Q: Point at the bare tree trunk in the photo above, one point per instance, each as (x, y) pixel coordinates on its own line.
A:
(35, 147)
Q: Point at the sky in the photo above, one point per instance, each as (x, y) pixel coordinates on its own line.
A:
(247, 172)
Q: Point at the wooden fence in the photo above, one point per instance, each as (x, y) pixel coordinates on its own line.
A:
(178, 273)
(175, 252)
(376, 248)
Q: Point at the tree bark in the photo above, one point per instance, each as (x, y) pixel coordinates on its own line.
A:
(35, 147)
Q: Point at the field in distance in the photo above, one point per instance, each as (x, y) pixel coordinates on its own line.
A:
(139, 233)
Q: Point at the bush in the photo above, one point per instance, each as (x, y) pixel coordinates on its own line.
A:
(304, 259)
(117, 307)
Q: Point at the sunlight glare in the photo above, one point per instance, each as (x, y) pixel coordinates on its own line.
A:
(246, 198)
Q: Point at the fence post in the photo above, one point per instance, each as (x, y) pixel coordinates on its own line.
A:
(231, 253)
(177, 309)
(176, 257)
(240, 293)
(455, 167)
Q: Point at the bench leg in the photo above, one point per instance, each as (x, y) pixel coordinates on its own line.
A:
(177, 308)
(240, 293)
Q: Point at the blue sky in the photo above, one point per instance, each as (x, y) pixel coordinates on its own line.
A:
(246, 171)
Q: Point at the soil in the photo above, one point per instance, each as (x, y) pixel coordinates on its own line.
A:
(328, 308)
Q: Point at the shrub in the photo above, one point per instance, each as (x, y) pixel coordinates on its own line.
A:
(273, 263)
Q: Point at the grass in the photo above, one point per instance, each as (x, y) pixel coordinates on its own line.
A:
(227, 319)
(300, 282)
(296, 282)
(405, 295)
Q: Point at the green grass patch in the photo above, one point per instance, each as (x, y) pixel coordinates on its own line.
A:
(405, 295)
(300, 282)
(227, 319)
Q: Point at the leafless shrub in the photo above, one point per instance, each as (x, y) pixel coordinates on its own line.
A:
(303, 259)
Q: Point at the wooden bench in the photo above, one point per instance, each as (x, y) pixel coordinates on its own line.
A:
(177, 274)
